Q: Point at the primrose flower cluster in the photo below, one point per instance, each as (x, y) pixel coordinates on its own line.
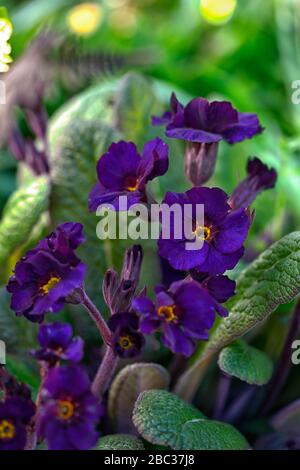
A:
(68, 410)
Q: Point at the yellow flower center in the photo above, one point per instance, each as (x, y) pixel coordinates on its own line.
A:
(167, 312)
(7, 430)
(133, 185)
(125, 342)
(50, 284)
(65, 409)
(203, 233)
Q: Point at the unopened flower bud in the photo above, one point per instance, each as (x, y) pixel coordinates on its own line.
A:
(200, 161)
(259, 178)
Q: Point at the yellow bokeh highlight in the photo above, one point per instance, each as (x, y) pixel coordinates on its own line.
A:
(217, 11)
(6, 30)
(84, 19)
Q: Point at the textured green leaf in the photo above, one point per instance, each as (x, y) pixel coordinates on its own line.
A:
(119, 442)
(136, 103)
(246, 363)
(204, 434)
(159, 416)
(129, 383)
(93, 104)
(273, 279)
(21, 214)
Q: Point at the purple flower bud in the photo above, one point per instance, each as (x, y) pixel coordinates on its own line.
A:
(37, 160)
(118, 290)
(17, 145)
(200, 161)
(259, 178)
(38, 120)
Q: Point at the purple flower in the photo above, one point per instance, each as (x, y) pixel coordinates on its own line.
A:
(48, 274)
(205, 122)
(184, 313)
(123, 172)
(69, 412)
(57, 344)
(259, 177)
(127, 341)
(15, 415)
(223, 233)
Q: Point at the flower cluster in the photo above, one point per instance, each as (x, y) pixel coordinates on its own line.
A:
(185, 312)
(48, 274)
(68, 407)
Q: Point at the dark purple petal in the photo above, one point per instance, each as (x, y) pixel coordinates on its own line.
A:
(247, 127)
(233, 231)
(120, 162)
(74, 352)
(54, 335)
(221, 115)
(218, 263)
(155, 160)
(175, 339)
(221, 288)
(192, 135)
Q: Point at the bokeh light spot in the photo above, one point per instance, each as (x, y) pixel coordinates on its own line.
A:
(217, 11)
(84, 19)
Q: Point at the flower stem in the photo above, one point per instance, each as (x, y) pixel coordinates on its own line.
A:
(105, 372)
(97, 317)
(222, 395)
(284, 363)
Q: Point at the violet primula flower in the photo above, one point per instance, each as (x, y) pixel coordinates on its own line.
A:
(123, 172)
(259, 178)
(48, 274)
(15, 415)
(127, 341)
(184, 313)
(57, 344)
(204, 122)
(223, 234)
(69, 412)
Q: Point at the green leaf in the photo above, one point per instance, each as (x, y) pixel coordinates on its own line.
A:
(204, 434)
(246, 363)
(273, 279)
(136, 103)
(159, 416)
(129, 383)
(119, 442)
(21, 214)
(23, 371)
(18, 333)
